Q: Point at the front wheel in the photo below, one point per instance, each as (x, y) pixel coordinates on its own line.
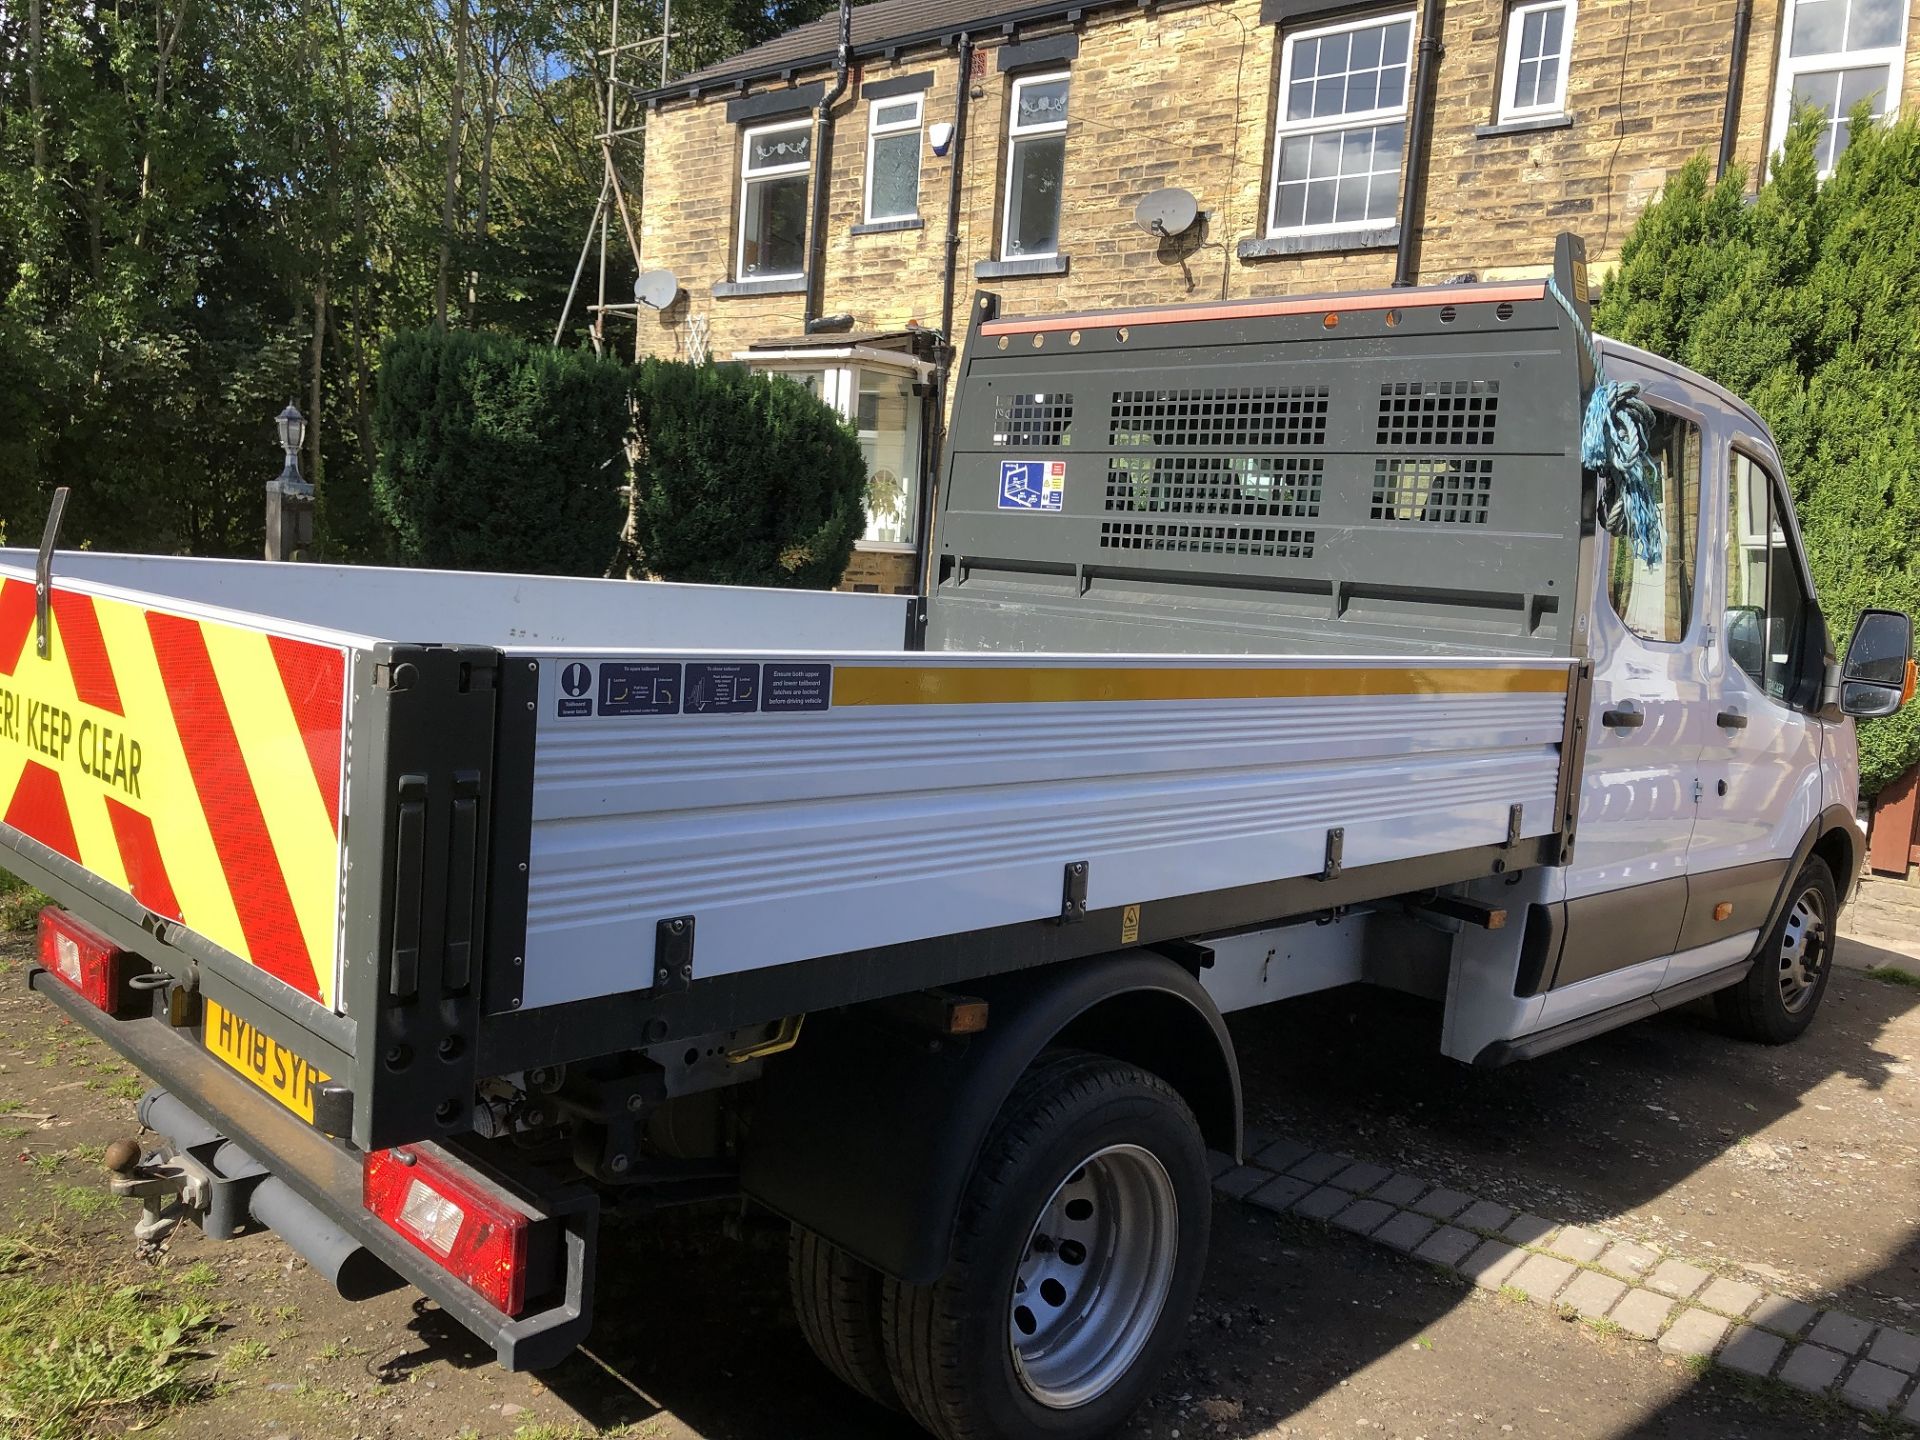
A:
(1077, 1255)
(1783, 990)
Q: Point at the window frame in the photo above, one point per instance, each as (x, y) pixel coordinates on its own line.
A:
(1016, 132)
(750, 176)
(1672, 410)
(1788, 68)
(1509, 109)
(1779, 507)
(1285, 129)
(877, 131)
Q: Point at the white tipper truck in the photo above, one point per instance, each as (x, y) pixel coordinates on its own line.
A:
(1267, 646)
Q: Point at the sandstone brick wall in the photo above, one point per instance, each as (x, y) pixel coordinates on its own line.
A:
(1186, 96)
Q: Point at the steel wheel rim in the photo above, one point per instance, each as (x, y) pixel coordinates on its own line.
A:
(1803, 950)
(1094, 1276)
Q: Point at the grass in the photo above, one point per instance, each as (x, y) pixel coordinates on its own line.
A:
(197, 1276)
(244, 1354)
(87, 1357)
(1894, 975)
(20, 903)
(85, 1201)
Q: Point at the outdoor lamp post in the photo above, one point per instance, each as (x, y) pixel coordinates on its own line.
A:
(289, 496)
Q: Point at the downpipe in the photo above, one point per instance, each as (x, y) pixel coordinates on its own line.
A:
(822, 160)
(212, 1181)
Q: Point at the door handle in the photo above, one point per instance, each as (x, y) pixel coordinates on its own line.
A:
(1622, 719)
(1730, 720)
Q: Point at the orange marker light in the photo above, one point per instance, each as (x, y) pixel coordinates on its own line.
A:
(1723, 911)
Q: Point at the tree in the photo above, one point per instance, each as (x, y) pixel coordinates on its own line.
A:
(1807, 303)
(500, 454)
(742, 479)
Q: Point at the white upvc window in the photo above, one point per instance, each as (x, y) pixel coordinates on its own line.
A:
(774, 164)
(1533, 79)
(893, 159)
(1833, 55)
(1342, 126)
(1036, 165)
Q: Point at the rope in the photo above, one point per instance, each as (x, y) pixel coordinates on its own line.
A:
(1616, 444)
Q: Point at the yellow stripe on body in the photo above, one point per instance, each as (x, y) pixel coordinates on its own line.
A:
(168, 795)
(1023, 685)
(290, 802)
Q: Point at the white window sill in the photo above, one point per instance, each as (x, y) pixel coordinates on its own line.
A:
(1026, 265)
(1523, 125)
(1320, 242)
(775, 285)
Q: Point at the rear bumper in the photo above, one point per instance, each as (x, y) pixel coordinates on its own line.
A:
(326, 1174)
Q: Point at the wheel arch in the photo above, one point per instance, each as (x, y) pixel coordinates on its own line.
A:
(867, 1132)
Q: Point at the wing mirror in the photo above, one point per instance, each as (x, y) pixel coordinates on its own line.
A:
(1877, 677)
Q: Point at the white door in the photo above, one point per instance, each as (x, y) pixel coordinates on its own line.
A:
(1760, 770)
(1626, 887)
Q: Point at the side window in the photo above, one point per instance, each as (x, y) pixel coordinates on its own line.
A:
(1655, 601)
(1766, 598)
(1036, 163)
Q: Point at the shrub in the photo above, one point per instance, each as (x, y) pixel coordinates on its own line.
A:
(742, 479)
(1806, 302)
(500, 454)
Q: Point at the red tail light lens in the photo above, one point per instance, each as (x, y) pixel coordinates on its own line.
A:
(84, 958)
(472, 1235)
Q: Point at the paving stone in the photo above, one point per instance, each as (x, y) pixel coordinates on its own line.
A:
(1218, 1164)
(1874, 1387)
(1844, 1333)
(1677, 1278)
(1592, 1294)
(1448, 1246)
(1896, 1348)
(1320, 1167)
(1751, 1351)
(1777, 1312)
(1361, 1177)
(1400, 1190)
(1483, 1215)
(1542, 1277)
(1255, 1138)
(1490, 1265)
(1693, 1332)
(1242, 1181)
(1280, 1193)
(1404, 1231)
(1578, 1245)
(1732, 1297)
(1624, 1257)
(1281, 1155)
(1363, 1217)
(1446, 1205)
(1528, 1230)
(1812, 1368)
(1912, 1413)
(1642, 1313)
(1323, 1203)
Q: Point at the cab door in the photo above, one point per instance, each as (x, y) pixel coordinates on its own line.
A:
(1760, 769)
(1626, 890)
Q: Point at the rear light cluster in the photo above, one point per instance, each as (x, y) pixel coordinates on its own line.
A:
(85, 959)
(476, 1237)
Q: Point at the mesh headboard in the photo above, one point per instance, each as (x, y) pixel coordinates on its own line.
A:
(1388, 472)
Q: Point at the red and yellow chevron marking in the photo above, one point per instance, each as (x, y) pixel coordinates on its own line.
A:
(196, 766)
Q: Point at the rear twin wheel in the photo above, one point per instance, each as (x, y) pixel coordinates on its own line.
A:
(1077, 1254)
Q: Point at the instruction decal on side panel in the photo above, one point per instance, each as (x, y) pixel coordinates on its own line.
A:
(722, 689)
(796, 686)
(646, 687)
(1033, 485)
(576, 691)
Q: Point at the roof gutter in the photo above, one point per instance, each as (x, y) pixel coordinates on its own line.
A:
(822, 159)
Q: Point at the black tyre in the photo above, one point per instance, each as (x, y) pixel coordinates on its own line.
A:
(837, 1300)
(1783, 990)
(1077, 1254)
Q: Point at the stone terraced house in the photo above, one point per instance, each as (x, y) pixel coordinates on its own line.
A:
(835, 228)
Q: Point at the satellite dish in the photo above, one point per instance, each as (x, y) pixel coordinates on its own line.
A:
(656, 289)
(1166, 212)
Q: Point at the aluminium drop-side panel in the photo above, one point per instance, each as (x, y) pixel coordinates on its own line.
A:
(807, 805)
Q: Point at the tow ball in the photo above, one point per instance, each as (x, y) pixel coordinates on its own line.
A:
(169, 1186)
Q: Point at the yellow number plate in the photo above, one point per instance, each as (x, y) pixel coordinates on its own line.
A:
(263, 1060)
